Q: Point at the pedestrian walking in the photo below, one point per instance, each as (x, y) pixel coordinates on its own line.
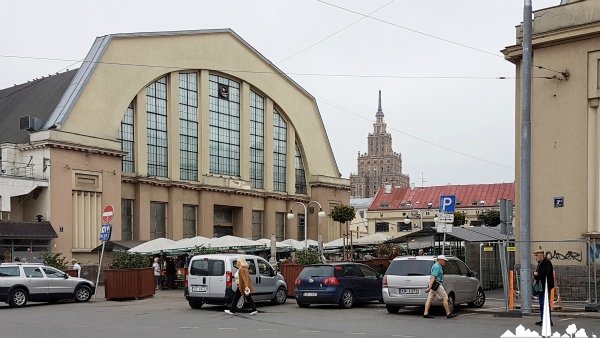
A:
(157, 277)
(543, 274)
(244, 288)
(436, 287)
(76, 266)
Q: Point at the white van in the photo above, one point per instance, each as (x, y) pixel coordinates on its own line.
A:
(210, 280)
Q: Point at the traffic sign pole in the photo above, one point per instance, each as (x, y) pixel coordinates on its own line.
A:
(99, 268)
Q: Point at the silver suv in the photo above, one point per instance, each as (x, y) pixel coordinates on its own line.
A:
(20, 283)
(406, 279)
(211, 280)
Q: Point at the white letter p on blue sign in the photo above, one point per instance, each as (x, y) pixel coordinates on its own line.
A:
(447, 203)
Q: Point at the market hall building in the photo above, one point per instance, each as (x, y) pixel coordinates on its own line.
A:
(184, 133)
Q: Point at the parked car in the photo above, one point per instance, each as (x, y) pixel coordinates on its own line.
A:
(406, 279)
(210, 280)
(342, 283)
(22, 282)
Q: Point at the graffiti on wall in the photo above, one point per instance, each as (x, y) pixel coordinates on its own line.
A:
(569, 255)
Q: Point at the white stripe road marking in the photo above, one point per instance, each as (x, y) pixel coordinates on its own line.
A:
(267, 329)
(310, 331)
(228, 328)
(356, 333)
(399, 335)
(562, 320)
(189, 327)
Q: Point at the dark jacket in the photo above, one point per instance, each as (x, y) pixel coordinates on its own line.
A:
(545, 270)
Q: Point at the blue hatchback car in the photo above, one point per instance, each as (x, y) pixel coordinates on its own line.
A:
(342, 283)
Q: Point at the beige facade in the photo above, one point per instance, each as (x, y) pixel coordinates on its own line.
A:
(565, 127)
(151, 198)
(380, 166)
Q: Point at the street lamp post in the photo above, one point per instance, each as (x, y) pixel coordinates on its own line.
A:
(290, 216)
(420, 213)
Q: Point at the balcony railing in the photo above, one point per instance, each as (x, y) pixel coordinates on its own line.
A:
(16, 169)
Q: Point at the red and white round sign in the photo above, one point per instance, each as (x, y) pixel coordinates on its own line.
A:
(107, 214)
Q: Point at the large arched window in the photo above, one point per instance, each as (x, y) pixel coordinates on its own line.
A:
(188, 126)
(126, 136)
(279, 152)
(300, 174)
(224, 120)
(156, 107)
(257, 140)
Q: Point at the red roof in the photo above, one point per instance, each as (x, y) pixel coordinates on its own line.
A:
(473, 195)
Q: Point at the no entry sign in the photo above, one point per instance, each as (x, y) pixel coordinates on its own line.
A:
(107, 214)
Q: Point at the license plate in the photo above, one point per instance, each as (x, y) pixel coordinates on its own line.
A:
(409, 291)
(198, 288)
(310, 294)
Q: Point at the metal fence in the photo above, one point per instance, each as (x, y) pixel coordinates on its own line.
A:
(575, 262)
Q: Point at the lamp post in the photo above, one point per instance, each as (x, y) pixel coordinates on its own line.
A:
(290, 216)
(420, 213)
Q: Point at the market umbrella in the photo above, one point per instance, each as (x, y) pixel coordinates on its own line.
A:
(296, 245)
(187, 244)
(233, 242)
(311, 242)
(372, 239)
(154, 246)
(337, 243)
(273, 258)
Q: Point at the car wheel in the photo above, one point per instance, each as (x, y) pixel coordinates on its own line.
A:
(303, 305)
(347, 299)
(280, 296)
(196, 305)
(451, 302)
(392, 308)
(479, 299)
(18, 298)
(83, 294)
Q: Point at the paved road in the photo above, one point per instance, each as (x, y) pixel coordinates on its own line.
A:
(167, 314)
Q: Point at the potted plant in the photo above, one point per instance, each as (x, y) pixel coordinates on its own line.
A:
(128, 277)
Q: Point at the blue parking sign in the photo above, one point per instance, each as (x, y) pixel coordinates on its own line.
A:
(105, 232)
(447, 203)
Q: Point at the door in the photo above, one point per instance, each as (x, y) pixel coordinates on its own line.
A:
(265, 288)
(471, 283)
(373, 282)
(454, 281)
(353, 279)
(57, 283)
(207, 278)
(36, 283)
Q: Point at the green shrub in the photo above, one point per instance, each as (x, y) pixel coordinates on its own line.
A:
(54, 260)
(126, 260)
(305, 257)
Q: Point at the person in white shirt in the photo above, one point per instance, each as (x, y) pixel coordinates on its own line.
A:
(76, 266)
(157, 271)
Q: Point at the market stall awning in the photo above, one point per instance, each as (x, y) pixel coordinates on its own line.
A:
(154, 246)
(187, 244)
(372, 239)
(232, 242)
(34, 230)
(117, 246)
(468, 234)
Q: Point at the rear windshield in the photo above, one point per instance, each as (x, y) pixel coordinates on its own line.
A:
(410, 268)
(12, 271)
(317, 271)
(208, 267)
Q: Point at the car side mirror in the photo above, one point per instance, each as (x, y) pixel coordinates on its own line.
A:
(379, 276)
(66, 276)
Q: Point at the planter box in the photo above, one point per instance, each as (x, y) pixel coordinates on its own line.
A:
(128, 284)
(290, 272)
(71, 272)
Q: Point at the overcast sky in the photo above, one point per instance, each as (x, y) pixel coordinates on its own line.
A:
(436, 62)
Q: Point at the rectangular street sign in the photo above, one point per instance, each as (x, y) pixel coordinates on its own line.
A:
(444, 228)
(447, 203)
(446, 218)
(105, 232)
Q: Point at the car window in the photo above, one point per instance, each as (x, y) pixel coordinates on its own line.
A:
(264, 268)
(368, 272)
(251, 266)
(207, 267)
(352, 270)
(53, 273)
(9, 271)
(317, 271)
(31, 272)
(450, 268)
(463, 268)
(410, 268)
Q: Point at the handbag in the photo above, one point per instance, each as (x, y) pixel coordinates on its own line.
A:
(537, 288)
(435, 285)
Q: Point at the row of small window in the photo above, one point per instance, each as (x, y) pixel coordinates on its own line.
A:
(400, 226)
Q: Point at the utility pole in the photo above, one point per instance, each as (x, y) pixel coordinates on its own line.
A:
(525, 179)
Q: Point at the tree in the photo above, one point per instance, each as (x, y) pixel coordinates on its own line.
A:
(54, 260)
(459, 219)
(490, 218)
(343, 214)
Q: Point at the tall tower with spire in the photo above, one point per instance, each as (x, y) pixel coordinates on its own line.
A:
(380, 166)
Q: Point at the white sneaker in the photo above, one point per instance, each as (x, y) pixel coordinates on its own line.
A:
(228, 312)
(253, 313)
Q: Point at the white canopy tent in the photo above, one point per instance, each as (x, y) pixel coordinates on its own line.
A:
(336, 243)
(232, 242)
(187, 244)
(372, 239)
(296, 245)
(154, 246)
(311, 242)
(278, 245)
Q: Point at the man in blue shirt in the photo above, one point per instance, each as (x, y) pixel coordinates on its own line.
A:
(437, 275)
